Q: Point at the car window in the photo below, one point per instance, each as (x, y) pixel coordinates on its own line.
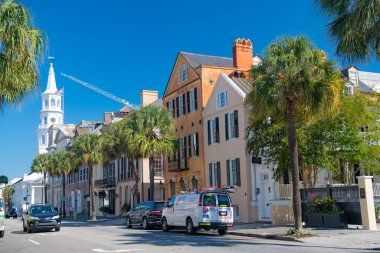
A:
(41, 210)
(223, 200)
(159, 206)
(209, 199)
(149, 205)
(138, 206)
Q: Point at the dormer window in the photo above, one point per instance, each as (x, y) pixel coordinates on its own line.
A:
(183, 74)
(350, 90)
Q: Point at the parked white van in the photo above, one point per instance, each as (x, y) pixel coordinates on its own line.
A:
(194, 211)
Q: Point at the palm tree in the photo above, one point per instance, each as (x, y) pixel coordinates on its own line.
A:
(43, 163)
(88, 149)
(21, 49)
(294, 82)
(65, 163)
(354, 26)
(153, 130)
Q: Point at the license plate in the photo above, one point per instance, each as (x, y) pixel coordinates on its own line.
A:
(223, 213)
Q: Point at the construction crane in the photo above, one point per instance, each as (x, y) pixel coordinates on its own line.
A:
(100, 91)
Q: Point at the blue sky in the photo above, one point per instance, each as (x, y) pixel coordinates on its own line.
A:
(125, 46)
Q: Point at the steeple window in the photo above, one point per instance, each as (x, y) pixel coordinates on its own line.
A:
(46, 103)
(52, 102)
(59, 104)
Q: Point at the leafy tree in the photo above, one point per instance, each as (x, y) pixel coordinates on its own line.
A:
(3, 179)
(9, 191)
(42, 163)
(153, 130)
(354, 26)
(294, 83)
(88, 149)
(65, 163)
(21, 49)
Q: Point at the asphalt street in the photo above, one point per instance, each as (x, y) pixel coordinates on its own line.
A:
(113, 236)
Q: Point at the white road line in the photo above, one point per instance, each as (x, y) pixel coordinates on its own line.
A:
(30, 240)
(118, 250)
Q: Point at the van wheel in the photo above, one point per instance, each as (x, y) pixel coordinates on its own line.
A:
(190, 227)
(145, 224)
(2, 234)
(165, 226)
(129, 225)
(222, 231)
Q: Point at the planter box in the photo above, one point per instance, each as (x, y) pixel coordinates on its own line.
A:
(326, 220)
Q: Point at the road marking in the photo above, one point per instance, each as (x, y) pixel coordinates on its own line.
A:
(30, 240)
(118, 250)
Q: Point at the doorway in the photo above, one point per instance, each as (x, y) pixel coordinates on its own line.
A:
(264, 197)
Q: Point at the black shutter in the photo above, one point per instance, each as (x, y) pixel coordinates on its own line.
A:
(208, 132)
(226, 124)
(195, 99)
(228, 171)
(184, 103)
(179, 154)
(196, 145)
(188, 101)
(217, 129)
(210, 169)
(236, 123)
(218, 173)
(167, 106)
(237, 164)
(184, 149)
(190, 146)
(177, 105)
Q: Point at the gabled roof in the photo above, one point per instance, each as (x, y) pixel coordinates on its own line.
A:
(244, 84)
(195, 60)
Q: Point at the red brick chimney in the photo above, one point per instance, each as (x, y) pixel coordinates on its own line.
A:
(242, 53)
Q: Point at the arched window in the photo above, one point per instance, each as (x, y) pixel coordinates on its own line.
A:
(43, 140)
(52, 102)
(59, 104)
(46, 103)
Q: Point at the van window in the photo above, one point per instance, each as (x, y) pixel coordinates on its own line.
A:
(1, 203)
(209, 199)
(223, 200)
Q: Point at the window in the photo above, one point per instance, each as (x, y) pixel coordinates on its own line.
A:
(233, 172)
(213, 131)
(171, 107)
(45, 120)
(122, 169)
(157, 165)
(43, 139)
(70, 178)
(193, 145)
(181, 106)
(221, 100)
(232, 125)
(350, 90)
(192, 102)
(59, 104)
(353, 76)
(52, 102)
(182, 153)
(46, 103)
(183, 74)
(83, 174)
(215, 176)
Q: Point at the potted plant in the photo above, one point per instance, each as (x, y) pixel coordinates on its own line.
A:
(104, 210)
(377, 212)
(126, 207)
(324, 213)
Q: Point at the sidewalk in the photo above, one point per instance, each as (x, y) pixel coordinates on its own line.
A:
(99, 219)
(351, 238)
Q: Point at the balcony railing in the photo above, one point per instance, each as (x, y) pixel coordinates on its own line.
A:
(106, 182)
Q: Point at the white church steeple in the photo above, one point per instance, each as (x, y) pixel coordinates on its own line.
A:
(51, 112)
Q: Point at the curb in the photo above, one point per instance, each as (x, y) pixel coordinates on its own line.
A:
(265, 236)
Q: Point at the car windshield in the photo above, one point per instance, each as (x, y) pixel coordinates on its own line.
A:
(159, 206)
(223, 200)
(209, 199)
(41, 210)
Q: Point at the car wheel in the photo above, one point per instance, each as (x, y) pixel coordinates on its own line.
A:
(15, 217)
(190, 227)
(222, 231)
(28, 229)
(128, 221)
(165, 226)
(145, 224)
(2, 234)
(57, 229)
(23, 227)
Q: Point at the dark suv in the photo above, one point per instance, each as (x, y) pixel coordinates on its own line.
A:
(41, 217)
(147, 214)
(11, 213)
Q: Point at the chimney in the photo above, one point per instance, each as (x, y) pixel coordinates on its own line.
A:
(107, 117)
(147, 97)
(242, 54)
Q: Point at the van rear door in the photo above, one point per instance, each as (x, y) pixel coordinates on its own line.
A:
(225, 210)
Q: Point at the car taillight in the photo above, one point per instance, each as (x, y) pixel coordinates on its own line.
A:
(156, 212)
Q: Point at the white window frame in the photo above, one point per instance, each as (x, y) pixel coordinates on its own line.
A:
(219, 100)
(213, 131)
(192, 100)
(231, 125)
(233, 172)
(214, 174)
(183, 73)
(181, 105)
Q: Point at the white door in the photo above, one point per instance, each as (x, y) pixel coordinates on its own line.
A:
(263, 197)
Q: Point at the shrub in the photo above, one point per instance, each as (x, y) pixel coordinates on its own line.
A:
(105, 209)
(377, 211)
(126, 207)
(325, 205)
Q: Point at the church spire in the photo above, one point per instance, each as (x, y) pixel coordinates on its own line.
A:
(51, 84)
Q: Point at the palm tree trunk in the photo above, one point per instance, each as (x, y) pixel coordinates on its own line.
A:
(45, 187)
(151, 178)
(64, 195)
(92, 193)
(293, 151)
